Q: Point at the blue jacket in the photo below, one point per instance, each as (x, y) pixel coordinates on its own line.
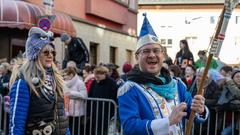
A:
(136, 114)
(19, 105)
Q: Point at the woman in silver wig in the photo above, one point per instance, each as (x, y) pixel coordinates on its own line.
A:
(36, 98)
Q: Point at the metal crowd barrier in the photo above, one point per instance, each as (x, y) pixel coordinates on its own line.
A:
(216, 123)
(3, 118)
(101, 118)
(213, 126)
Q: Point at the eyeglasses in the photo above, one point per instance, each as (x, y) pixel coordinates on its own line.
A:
(46, 53)
(156, 51)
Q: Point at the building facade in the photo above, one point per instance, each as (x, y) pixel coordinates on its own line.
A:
(194, 20)
(17, 17)
(107, 27)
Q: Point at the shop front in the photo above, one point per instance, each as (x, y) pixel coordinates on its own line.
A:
(17, 17)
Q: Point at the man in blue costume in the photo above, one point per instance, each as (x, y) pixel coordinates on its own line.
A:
(151, 102)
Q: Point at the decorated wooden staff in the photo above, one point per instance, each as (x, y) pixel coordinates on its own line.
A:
(216, 44)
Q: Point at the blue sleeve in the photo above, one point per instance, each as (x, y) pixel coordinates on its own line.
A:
(129, 115)
(68, 132)
(19, 103)
(185, 96)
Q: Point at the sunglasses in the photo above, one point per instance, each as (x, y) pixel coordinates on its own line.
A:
(46, 53)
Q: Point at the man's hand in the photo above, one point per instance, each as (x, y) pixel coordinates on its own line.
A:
(178, 113)
(198, 104)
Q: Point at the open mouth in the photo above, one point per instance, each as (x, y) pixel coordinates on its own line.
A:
(48, 61)
(152, 62)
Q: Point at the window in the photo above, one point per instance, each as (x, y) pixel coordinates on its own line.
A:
(112, 58)
(169, 41)
(187, 21)
(93, 53)
(129, 55)
(237, 40)
(17, 48)
(237, 19)
(166, 29)
(212, 19)
(166, 42)
(163, 41)
(191, 40)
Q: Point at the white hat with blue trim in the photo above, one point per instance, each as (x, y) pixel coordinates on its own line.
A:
(147, 34)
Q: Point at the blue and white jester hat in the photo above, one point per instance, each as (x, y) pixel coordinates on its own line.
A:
(147, 34)
(37, 39)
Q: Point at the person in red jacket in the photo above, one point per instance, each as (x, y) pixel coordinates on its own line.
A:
(88, 76)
